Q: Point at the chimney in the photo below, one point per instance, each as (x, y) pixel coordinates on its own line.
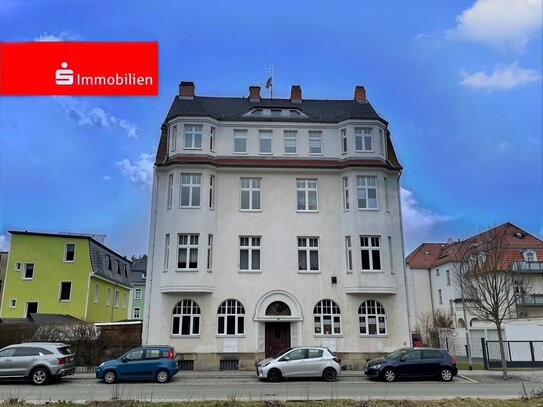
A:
(360, 94)
(296, 94)
(254, 93)
(186, 90)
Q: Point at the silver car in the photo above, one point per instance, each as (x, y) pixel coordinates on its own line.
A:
(37, 361)
(305, 361)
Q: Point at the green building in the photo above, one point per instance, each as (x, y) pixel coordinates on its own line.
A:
(137, 279)
(73, 274)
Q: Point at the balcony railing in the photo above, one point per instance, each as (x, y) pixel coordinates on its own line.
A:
(530, 300)
(528, 266)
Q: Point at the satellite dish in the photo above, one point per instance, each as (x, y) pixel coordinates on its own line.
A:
(449, 240)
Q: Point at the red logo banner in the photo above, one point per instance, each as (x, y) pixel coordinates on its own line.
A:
(78, 68)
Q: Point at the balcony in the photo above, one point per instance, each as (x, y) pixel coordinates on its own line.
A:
(527, 266)
(530, 300)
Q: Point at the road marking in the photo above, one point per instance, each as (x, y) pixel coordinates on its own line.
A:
(468, 378)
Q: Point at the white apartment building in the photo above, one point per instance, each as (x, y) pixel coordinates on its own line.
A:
(433, 285)
(275, 223)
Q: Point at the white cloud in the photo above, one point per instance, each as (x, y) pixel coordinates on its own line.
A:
(507, 24)
(502, 146)
(417, 220)
(94, 117)
(59, 36)
(139, 172)
(106, 178)
(4, 243)
(504, 77)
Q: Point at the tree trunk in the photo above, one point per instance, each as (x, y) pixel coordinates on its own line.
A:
(502, 351)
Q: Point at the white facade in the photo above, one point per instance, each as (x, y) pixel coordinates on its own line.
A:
(257, 244)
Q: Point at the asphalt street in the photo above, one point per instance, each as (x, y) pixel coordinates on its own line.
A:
(187, 386)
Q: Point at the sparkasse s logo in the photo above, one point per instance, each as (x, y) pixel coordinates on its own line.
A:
(79, 68)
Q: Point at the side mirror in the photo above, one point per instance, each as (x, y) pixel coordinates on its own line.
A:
(285, 359)
(124, 360)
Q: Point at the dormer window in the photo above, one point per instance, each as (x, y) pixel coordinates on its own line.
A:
(529, 255)
(275, 112)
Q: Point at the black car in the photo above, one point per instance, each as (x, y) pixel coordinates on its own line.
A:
(413, 362)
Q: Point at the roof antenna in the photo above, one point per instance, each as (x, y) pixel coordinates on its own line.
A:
(269, 82)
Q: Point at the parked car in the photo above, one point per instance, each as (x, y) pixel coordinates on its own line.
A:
(413, 362)
(37, 361)
(144, 363)
(305, 361)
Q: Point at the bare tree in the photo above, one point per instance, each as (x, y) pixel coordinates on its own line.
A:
(486, 281)
(432, 325)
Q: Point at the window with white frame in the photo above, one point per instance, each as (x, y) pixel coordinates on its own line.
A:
(265, 141)
(173, 138)
(240, 141)
(363, 139)
(290, 141)
(315, 142)
(308, 254)
(193, 136)
(187, 258)
(211, 192)
(69, 252)
(125, 297)
(349, 254)
(116, 300)
(12, 302)
(209, 252)
(169, 201)
(448, 274)
(343, 141)
(451, 307)
(136, 313)
(166, 252)
(372, 318)
(28, 273)
(137, 293)
(518, 287)
(346, 204)
(529, 255)
(437, 272)
(96, 293)
(186, 318)
(327, 318)
(440, 296)
(231, 318)
(17, 266)
(250, 194)
(190, 190)
(370, 249)
(212, 139)
(366, 191)
(109, 266)
(306, 195)
(249, 253)
(108, 298)
(65, 291)
(381, 142)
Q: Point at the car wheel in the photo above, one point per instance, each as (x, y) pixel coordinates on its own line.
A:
(274, 375)
(110, 377)
(446, 375)
(329, 374)
(162, 376)
(39, 376)
(389, 375)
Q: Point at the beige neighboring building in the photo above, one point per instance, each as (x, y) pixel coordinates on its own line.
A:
(274, 223)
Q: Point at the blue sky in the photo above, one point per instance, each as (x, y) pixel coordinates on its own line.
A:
(459, 81)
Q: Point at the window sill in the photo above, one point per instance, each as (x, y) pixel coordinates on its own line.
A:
(192, 148)
(64, 301)
(69, 261)
(270, 153)
(309, 272)
(290, 153)
(251, 210)
(240, 153)
(250, 271)
(233, 336)
(174, 336)
(364, 151)
(190, 207)
(373, 335)
(308, 211)
(328, 335)
(368, 209)
(372, 271)
(186, 270)
(316, 154)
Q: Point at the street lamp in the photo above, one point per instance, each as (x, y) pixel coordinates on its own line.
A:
(466, 325)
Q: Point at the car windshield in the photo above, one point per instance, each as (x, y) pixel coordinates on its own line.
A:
(398, 353)
(65, 350)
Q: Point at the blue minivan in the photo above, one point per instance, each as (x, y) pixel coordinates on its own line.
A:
(145, 363)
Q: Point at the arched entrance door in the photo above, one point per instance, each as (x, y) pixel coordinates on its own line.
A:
(277, 333)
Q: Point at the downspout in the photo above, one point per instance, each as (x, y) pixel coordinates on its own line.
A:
(150, 261)
(409, 327)
(87, 300)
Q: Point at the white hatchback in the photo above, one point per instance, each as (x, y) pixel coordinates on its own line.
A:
(304, 361)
